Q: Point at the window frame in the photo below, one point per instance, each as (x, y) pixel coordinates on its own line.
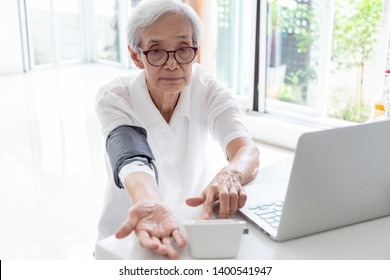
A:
(297, 113)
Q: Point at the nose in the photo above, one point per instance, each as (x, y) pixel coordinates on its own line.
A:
(171, 62)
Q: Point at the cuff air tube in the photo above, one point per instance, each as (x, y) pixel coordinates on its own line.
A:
(125, 143)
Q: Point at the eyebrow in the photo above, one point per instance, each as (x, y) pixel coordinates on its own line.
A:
(156, 41)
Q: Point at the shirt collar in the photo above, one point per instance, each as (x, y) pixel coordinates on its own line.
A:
(183, 105)
(142, 102)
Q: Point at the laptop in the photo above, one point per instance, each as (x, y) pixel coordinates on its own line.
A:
(338, 177)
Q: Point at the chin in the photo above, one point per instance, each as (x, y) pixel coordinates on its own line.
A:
(173, 87)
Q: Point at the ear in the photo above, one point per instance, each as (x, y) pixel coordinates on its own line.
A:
(136, 58)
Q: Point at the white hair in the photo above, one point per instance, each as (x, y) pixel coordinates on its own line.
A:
(149, 11)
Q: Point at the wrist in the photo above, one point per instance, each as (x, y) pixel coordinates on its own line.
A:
(142, 187)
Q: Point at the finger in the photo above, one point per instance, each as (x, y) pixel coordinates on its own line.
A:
(224, 208)
(125, 229)
(228, 198)
(195, 201)
(147, 241)
(170, 250)
(242, 197)
(208, 206)
(161, 249)
(178, 238)
(233, 201)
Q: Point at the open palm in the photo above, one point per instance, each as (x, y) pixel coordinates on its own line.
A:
(154, 225)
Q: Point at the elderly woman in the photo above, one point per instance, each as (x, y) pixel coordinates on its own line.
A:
(156, 126)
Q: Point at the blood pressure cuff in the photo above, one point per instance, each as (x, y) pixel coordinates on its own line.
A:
(126, 144)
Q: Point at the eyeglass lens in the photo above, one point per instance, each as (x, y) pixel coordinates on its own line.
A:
(159, 57)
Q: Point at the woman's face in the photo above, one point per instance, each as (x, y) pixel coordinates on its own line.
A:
(168, 33)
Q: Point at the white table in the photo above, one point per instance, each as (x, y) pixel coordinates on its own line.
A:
(368, 240)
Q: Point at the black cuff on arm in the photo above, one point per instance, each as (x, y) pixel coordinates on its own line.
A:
(124, 143)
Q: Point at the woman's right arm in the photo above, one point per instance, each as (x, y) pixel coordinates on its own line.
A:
(149, 217)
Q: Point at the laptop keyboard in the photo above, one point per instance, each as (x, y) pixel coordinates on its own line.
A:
(269, 212)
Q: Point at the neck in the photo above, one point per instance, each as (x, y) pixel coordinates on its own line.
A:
(166, 104)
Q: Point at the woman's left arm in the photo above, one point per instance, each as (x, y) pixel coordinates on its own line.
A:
(227, 185)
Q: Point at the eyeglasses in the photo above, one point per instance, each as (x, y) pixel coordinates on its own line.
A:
(158, 57)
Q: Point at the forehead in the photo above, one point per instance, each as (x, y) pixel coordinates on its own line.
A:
(168, 29)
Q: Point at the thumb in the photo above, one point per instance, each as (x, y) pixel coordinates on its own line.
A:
(195, 201)
(126, 228)
(136, 213)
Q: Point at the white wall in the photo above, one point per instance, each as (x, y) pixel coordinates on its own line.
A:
(11, 59)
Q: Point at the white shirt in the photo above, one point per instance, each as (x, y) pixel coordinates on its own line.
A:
(204, 107)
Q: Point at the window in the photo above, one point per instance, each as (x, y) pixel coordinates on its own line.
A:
(67, 30)
(235, 44)
(41, 40)
(228, 44)
(353, 77)
(75, 30)
(324, 58)
(11, 52)
(302, 69)
(110, 25)
(107, 23)
(54, 31)
(310, 60)
(388, 53)
(293, 53)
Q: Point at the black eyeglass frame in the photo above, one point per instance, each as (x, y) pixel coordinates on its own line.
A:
(195, 49)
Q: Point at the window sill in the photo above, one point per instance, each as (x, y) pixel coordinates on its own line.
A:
(276, 131)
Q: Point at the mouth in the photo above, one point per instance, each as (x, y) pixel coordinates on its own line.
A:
(171, 78)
